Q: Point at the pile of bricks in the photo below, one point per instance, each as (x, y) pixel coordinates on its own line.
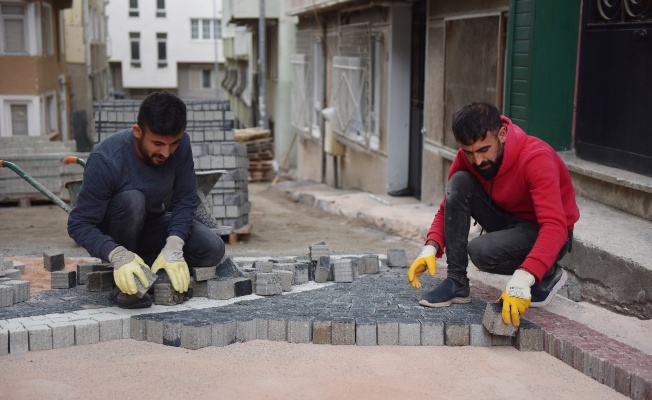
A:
(12, 288)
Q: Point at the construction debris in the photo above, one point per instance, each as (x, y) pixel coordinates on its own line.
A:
(260, 151)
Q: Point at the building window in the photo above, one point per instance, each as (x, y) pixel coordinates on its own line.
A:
(48, 33)
(206, 78)
(14, 24)
(133, 8)
(161, 40)
(134, 38)
(160, 8)
(19, 120)
(205, 29)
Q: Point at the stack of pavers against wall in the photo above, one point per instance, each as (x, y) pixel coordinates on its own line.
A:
(210, 126)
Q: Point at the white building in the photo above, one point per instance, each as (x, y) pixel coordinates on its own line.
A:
(166, 45)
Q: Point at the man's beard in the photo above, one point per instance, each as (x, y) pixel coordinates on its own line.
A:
(148, 159)
(490, 172)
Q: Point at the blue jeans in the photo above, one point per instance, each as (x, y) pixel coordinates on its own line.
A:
(504, 245)
(127, 222)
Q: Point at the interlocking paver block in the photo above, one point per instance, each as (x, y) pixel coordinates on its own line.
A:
(53, 261)
(221, 289)
(366, 333)
(13, 273)
(493, 321)
(151, 278)
(63, 279)
(322, 269)
(264, 266)
(172, 333)
(242, 286)
(409, 333)
(164, 294)
(277, 330)
(268, 284)
(396, 258)
(530, 337)
(100, 281)
(343, 332)
(40, 337)
(200, 289)
(6, 296)
(321, 332)
(86, 331)
(18, 340)
(262, 328)
(343, 271)
(20, 289)
(223, 333)
(227, 268)
(245, 330)
(138, 328)
(154, 330)
(203, 273)
(287, 279)
(299, 330)
(371, 265)
(456, 334)
(195, 337)
(479, 336)
(15, 264)
(301, 272)
(63, 334)
(83, 269)
(4, 341)
(318, 250)
(432, 333)
(387, 333)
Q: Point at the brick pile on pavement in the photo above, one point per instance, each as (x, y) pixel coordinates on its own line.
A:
(12, 288)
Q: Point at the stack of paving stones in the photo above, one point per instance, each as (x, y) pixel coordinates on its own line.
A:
(210, 126)
(12, 289)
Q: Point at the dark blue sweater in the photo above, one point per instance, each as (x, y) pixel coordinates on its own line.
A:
(113, 167)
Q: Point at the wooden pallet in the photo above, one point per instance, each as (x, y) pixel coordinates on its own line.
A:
(237, 234)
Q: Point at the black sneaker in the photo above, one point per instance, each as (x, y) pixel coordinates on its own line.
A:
(544, 291)
(128, 301)
(447, 293)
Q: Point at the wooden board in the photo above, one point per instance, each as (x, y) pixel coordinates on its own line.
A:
(237, 234)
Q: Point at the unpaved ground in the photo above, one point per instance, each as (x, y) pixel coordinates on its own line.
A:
(265, 369)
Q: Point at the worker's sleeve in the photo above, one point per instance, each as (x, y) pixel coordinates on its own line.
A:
(184, 192)
(92, 202)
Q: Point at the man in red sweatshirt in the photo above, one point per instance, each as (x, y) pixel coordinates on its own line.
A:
(519, 190)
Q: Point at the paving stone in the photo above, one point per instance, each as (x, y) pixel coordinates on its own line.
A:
(172, 332)
(242, 286)
(13, 273)
(493, 321)
(63, 334)
(164, 294)
(86, 332)
(15, 264)
(4, 341)
(53, 261)
(154, 331)
(497, 340)
(100, 281)
(409, 333)
(432, 333)
(366, 333)
(530, 337)
(200, 289)
(343, 332)
(18, 340)
(223, 333)
(6, 296)
(456, 334)
(387, 333)
(20, 289)
(151, 279)
(287, 279)
(322, 269)
(262, 328)
(321, 332)
(63, 279)
(264, 266)
(204, 273)
(268, 284)
(245, 330)
(227, 268)
(40, 338)
(371, 265)
(479, 336)
(343, 271)
(221, 289)
(318, 250)
(277, 330)
(299, 330)
(197, 336)
(396, 258)
(83, 269)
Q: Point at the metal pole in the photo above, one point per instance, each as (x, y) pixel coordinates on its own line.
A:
(215, 36)
(261, 66)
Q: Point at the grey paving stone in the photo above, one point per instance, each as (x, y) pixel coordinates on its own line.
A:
(371, 265)
(15, 264)
(262, 328)
(63, 334)
(318, 250)
(321, 332)
(227, 268)
(396, 258)
(6, 296)
(242, 286)
(493, 321)
(264, 266)
(530, 337)
(63, 279)
(502, 340)
(302, 272)
(53, 261)
(343, 332)
(322, 269)
(245, 330)
(432, 333)
(151, 279)
(20, 289)
(387, 333)
(299, 330)
(479, 336)
(83, 269)
(154, 331)
(4, 341)
(343, 271)
(277, 330)
(13, 273)
(195, 337)
(287, 279)
(172, 332)
(366, 333)
(221, 289)
(18, 340)
(87, 331)
(138, 328)
(204, 273)
(40, 338)
(223, 333)
(200, 289)
(268, 284)
(100, 281)
(164, 294)
(456, 334)
(409, 333)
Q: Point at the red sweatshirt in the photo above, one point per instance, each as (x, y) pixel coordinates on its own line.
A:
(532, 184)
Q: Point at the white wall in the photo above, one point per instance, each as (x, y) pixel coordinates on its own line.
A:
(180, 47)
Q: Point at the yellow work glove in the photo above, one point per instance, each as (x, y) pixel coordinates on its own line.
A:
(516, 297)
(426, 260)
(125, 265)
(172, 261)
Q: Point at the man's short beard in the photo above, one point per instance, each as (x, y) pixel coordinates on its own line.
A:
(494, 166)
(149, 160)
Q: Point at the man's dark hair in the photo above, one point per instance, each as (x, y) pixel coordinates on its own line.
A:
(162, 113)
(472, 122)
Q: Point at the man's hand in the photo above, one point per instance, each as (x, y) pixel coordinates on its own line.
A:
(426, 260)
(172, 261)
(125, 265)
(516, 297)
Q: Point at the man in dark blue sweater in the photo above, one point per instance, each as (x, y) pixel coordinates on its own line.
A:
(120, 211)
